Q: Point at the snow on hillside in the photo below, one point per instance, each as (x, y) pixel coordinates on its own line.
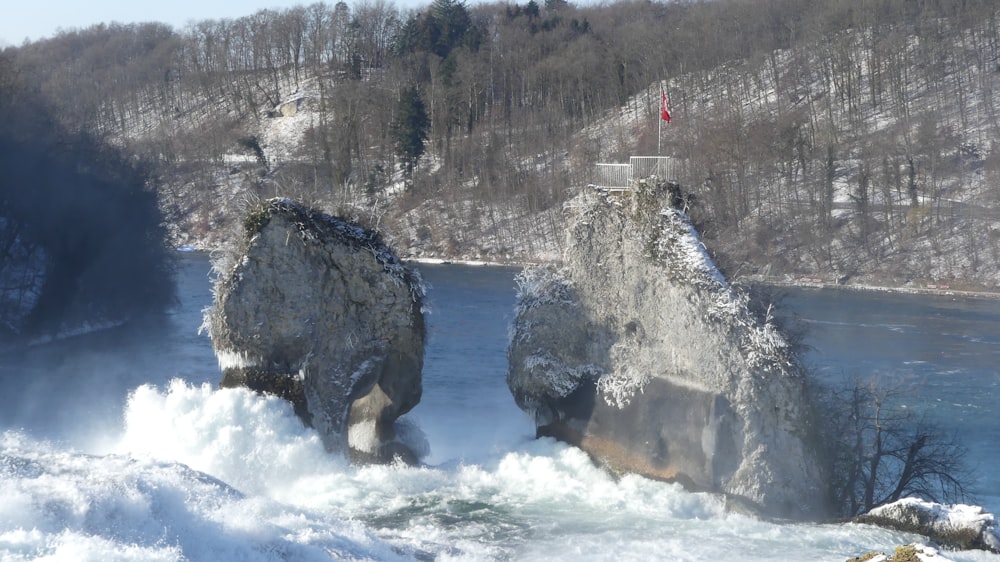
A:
(931, 223)
(912, 197)
(214, 197)
(284, 128)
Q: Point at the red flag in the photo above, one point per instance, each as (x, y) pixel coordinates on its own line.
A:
(664, 114)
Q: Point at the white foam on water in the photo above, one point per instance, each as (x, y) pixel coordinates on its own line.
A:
(252, 442)
(60, 505)
(258, 446)
(207, 474)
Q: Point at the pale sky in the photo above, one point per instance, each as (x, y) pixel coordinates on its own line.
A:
(38, 19)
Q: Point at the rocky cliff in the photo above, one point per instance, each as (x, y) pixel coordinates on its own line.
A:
(319, 311)
(639, 351)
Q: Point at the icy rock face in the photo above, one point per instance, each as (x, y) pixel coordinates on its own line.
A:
(638, 351)
(956, 526)
(319, 311)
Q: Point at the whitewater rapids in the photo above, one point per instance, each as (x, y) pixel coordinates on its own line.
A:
(206, 474)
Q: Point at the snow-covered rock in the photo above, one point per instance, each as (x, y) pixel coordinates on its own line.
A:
(957, 526)
(319, 311)
(638, 351)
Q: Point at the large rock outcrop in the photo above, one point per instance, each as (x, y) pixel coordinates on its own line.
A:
(319, 311)
(638, 351)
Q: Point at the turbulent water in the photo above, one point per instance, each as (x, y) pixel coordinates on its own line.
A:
(118, 446)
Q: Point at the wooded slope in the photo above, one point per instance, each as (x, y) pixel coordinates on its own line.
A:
(848, 139)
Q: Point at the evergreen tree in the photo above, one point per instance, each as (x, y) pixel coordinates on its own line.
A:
(409, 128)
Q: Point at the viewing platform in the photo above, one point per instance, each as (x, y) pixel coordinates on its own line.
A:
(619, 177)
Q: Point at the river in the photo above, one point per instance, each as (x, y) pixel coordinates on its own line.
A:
(118, 446)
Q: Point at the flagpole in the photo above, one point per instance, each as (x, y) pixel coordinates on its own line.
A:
(659, 122)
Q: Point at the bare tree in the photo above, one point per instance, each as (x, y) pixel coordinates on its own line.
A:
(377, 22)
(881, 451)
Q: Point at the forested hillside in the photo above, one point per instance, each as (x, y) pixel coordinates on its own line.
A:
(850, 140)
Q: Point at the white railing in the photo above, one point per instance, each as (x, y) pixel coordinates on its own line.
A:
(613, 177)
(619, 177)
(647, 166)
